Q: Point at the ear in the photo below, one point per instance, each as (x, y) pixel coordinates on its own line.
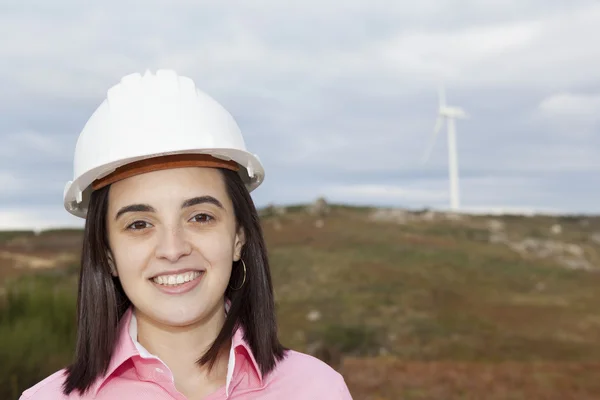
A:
(240, 240)
(111, 264)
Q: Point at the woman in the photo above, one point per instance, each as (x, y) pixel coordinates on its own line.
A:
(175, 297)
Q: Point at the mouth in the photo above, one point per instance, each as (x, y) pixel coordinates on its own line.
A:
(177, 279)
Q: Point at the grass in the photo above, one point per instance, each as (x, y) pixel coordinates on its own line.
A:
(36, 330)
(433, 307)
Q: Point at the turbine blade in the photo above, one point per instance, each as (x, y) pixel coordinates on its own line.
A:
(438, 126)
(442, 96)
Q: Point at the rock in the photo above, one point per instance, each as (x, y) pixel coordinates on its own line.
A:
(574, 250)
(576, 263)
(320, 207)
(556, 229)
(569, 255)
(280, 210)
(319, 223)
(495, 225)
(595, 237)
(314, 315)
(428, 215)
(398, 216)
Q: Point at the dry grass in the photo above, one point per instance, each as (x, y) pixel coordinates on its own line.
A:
(371, 379)
(424, 310)
(37, 261)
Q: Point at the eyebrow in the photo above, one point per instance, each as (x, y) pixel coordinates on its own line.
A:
(134, 208)
(202, 200)
(188, 203)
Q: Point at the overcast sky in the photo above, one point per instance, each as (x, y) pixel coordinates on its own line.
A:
(338, 98)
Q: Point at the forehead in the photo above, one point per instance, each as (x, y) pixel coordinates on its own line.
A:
(169, 185)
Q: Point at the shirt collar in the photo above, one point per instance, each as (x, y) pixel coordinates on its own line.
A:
(127, 347)
(240, 349)
(124, 350)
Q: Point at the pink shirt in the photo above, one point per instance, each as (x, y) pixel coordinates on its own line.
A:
(134, 373)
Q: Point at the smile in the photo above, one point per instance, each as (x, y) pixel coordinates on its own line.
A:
(177, 279)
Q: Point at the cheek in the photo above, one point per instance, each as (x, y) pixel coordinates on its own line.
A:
(217, 250)
(131, 258)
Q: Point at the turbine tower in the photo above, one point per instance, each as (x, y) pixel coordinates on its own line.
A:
(449, 115)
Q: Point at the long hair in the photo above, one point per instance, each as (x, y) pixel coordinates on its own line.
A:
(102, 302)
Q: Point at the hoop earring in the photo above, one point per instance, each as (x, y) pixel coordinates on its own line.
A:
(112, 267)
(244, 280)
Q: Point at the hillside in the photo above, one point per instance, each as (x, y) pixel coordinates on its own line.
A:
(415, 305)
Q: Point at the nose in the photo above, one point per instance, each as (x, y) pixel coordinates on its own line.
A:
(173, 244)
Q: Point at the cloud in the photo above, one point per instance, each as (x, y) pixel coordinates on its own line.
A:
(225, 48)
(19, 145)
(48, 217)
(336, 100)
(447, 55)
(381, 194)
(584, 107)
(9, 183)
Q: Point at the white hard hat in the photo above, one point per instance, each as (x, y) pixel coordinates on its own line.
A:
(149, 116)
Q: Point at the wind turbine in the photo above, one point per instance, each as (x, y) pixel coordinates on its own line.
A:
(449, 115)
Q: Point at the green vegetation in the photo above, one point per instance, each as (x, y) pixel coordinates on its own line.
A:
(36, 330)
(418, 292)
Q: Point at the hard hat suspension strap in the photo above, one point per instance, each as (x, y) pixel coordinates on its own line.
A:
(163, 162)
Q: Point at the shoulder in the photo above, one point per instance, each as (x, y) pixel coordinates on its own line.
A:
(48, 388)
(305, 364)
(309, 375)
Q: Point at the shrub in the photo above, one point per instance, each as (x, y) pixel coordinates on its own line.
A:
(355, 340)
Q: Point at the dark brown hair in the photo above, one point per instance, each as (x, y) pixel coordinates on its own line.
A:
(101, 301)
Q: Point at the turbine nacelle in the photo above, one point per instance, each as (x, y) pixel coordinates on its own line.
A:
(448, 111)
(452, 112)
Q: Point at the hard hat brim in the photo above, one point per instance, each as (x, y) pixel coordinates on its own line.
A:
(77, 192)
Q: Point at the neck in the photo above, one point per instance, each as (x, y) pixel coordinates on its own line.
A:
(181, 347)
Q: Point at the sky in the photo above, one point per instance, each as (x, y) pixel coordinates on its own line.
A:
(338, 99)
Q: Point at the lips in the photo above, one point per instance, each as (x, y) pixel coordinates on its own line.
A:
(176, 278)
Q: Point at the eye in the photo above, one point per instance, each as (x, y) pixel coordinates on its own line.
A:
(138, 225)
(202, 218)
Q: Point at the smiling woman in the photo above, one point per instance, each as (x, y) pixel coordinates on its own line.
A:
(175, 296)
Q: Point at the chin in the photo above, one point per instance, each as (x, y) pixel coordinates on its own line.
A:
(180, 314)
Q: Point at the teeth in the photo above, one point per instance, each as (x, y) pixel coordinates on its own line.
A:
(173, 280)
